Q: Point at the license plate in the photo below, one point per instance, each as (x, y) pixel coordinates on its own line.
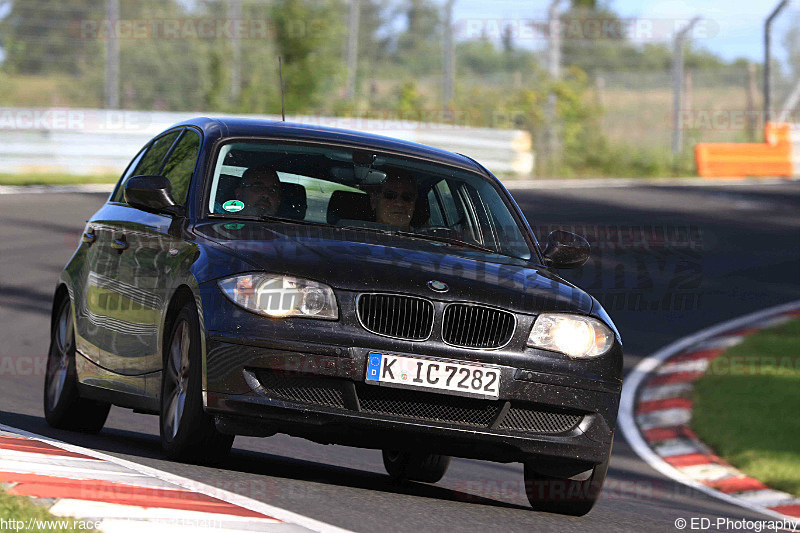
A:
(434, 374)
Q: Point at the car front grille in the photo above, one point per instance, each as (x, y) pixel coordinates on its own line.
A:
(394, 315)
(302, 389)
(534, 421)
(475, 326)
(416, 405)
(428, 406)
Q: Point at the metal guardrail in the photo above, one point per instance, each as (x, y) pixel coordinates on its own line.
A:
(96, 141)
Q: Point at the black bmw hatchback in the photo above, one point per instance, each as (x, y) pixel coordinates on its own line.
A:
(252, 278)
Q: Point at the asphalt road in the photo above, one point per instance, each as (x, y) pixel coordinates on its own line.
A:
(723, 252)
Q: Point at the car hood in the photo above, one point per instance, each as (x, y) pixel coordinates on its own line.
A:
(367, 261)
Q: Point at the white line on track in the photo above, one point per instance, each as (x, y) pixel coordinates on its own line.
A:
(189, 484)
(634, 379)
(591, 183)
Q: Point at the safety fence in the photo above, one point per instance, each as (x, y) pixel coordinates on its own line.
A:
(99, 142)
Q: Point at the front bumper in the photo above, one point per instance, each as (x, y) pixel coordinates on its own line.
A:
(318, 392)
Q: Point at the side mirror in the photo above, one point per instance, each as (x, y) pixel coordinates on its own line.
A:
(153, 194)
(566, 250)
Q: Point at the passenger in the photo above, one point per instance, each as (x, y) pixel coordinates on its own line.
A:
(260, 191)
(394, 203)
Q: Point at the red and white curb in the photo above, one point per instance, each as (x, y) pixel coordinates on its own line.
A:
(121, 496)
(656, 410)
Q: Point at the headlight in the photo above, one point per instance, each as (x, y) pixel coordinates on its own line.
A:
(281, 296)
(573, 335)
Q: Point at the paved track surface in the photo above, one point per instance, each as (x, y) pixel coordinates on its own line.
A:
(745, 255)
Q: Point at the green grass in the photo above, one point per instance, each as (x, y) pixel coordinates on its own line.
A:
(23, 509)
(53, 179)
(746, 406)
(51, 90)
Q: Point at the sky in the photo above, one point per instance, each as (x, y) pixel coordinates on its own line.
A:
(730, 29)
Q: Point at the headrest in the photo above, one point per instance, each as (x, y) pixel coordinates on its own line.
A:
(226, 187)
(350, 206)
(293, 201)
(422, 212)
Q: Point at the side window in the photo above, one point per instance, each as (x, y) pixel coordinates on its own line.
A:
(119, 192)
(448, 203)
(436, 213)
(151, 162)
(472, 225)
(180, 164)
(147, 162)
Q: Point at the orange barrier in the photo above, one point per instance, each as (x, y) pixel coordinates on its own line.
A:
(772, 158)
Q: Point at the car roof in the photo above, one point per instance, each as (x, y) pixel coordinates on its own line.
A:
(250, 127)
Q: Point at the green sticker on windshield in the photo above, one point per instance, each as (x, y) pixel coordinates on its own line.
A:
(232, 206)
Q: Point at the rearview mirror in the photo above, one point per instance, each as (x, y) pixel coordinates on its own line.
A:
(152, 194)
(566, 250)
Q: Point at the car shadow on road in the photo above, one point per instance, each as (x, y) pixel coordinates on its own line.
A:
(248, 472)
(144, 446)
(289, 468)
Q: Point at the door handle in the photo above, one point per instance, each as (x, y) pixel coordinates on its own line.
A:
(120, 244)
(89, 237)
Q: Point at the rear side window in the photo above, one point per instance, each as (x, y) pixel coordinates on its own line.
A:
(151, 162)
(180, 165)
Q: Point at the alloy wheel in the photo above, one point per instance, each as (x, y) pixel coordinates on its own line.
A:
(58, 362)
(178, 376)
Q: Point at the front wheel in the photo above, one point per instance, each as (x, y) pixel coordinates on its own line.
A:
(187, 433)
(568, 496)
(63, 406)
(415, 466)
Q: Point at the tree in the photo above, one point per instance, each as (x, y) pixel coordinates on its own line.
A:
(507, 39)
(41, 36)
(162, 71)
(418, 46)
(309, 37)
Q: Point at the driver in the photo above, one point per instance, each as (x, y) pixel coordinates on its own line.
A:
(260, 191)
(394, 203)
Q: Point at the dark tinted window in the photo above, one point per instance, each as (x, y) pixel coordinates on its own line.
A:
(328, 185)
(120, 190)
(180, 164)
(151, 162)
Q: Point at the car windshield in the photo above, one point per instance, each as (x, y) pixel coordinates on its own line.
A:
(359, 189)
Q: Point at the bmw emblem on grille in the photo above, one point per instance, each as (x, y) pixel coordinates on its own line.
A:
(438, 286)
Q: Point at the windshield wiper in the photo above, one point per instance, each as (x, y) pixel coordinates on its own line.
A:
(457, 242)
(273, 218)
(448, 240)
(424, 237)
(270, 218)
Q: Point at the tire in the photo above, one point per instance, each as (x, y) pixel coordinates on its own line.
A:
(564, 495)
(415, 466)
(187, 433)
(63, 406)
